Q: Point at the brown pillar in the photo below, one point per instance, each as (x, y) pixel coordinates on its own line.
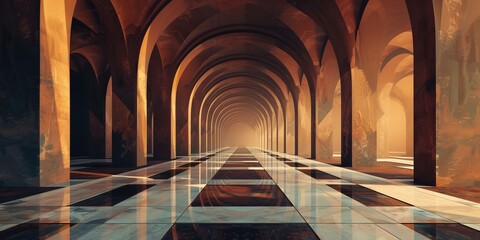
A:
(424, 44)
(160, 86)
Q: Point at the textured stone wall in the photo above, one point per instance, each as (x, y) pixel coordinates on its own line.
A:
(458, 92)
(19, 93)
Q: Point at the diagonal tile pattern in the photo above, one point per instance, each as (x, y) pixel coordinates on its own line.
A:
(239, 194)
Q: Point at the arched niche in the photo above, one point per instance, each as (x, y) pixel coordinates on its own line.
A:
(381, 22)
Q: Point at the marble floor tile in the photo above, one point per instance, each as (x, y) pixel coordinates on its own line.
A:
(96, 215)
(345, 200)
(300, 187)
(411, 215)
(241, 215)
(241, 182)
(8, 194)
(319, 199)
(241, 174)
(367, 196)
(168, 174)
(113, 231)
(148, 215)
(235, 158)
(402, 232)
(189, 165)
(203, 159)
(317, 174)
(334, 182)
(174, 197)
(15, 214)
(241, 195)
(413, 195)
(445, 231)
(331, 215)
(114, 196)
(372, 215)
(242, 168)
(33, 231)
(351, 231)
(291, 231)
(466, 214)
(241, 164)
(295, 164)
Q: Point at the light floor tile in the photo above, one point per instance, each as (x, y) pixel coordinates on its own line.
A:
(372, 215)
(241, 215)
(14, 214)
(411, 215)
(458, 214)
(319, 199)
(80, 215)
(114, 231)
(413, 195)
(148, 215)
(331, 215)
(350, 231)
(402, 232)
(179, 197)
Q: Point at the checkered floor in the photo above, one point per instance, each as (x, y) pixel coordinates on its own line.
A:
(239, 194)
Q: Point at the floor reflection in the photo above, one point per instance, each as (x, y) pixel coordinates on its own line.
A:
(236, 193)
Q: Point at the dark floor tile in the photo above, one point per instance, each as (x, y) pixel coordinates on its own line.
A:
(114, 196)
(241, 174)
(283, 159)
(387, 170)
(241, 231)
(159, 160)
(442, 231)
(240, 159)
(189, 165)
(34, 230)
(169, 173)
(92, 164)
(348, 189)
(317, 174)
(295, 164)
(378, 200)
(242, 164)
(391, 175)
(81, 174)
(203, 159)
(367, 196)
(8, 194)
(241, 195)
(242, 151)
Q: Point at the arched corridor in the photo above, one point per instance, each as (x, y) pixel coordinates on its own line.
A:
(247, 119)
